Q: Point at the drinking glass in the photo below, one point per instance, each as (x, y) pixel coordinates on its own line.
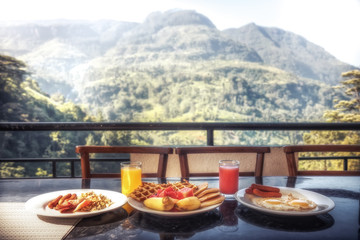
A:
(130, 176)
(228, 177)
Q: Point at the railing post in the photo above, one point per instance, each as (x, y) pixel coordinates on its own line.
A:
(210, 137)
(345, 164)
(72, 166)
(54, 168)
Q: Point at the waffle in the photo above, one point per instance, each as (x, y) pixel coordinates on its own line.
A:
(184, 184)
(146, 189)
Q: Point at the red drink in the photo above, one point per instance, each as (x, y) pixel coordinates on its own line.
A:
(229, 176)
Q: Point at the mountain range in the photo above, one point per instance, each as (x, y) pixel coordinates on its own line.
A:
(141, 71)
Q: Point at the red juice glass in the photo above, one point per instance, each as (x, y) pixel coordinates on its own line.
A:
(228, 177)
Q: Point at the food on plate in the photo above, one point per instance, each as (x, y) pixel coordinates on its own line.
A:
(54, 202)
(209, 196)
(147, 189)
(286, 203)
(183, 184)
(260, 193)
(207, 191)
(87, 202)
(212, 201)
(272, 198)
(160, 203)
(263, 190)
(188, 204)
(180, 195)
(201, 188)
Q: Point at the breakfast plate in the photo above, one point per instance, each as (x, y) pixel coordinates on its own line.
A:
(141, 207)
(38, 204)
(324, 204)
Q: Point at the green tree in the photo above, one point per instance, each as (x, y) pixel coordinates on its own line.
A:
(345, 111)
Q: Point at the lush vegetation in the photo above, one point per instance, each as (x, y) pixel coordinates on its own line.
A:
(204, 91)
(176, 66)
(344, 111)
(21, 100)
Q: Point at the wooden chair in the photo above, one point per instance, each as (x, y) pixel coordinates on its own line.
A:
(183, 153)
(84, 152)
(291, 152)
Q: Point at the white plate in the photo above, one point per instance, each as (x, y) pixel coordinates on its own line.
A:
(324, 203)
(141, 207)
(39, 203)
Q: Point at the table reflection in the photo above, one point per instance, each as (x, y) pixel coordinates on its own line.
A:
(230, 220)
(179, 227)
(284, 223)
(100, 224)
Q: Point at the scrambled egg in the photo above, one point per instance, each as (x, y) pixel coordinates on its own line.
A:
(98, 201)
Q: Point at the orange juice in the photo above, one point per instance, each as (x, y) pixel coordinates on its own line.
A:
(130, 176)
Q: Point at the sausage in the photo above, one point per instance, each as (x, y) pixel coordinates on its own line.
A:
(249, 190)
(73, 196)
(260, 193)
(265, 188)
(64, 198)
(54, 202)
(66, 210)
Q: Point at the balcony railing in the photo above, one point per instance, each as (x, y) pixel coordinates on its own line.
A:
(209, 127)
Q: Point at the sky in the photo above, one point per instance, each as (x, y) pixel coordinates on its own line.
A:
(331, 24)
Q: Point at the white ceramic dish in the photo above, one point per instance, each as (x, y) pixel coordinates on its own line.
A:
(38, 204)
(324, 203)
(141, 207)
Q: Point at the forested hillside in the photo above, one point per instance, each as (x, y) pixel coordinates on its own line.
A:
(290, 52)
(21, 100)
(64, 56)
(176, 66)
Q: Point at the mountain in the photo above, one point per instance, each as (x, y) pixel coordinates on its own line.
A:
(64, 52)
(177, 65)
(290, 52)
(52, 49)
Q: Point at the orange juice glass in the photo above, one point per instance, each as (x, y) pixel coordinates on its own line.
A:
(130, 176)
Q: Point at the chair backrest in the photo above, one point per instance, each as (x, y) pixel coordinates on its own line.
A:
(291, 152)
(183, 153)
(84, 152)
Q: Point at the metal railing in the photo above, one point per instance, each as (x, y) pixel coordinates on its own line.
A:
(72, 161)
(54, 162)
(209, 127)
(345, 159)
